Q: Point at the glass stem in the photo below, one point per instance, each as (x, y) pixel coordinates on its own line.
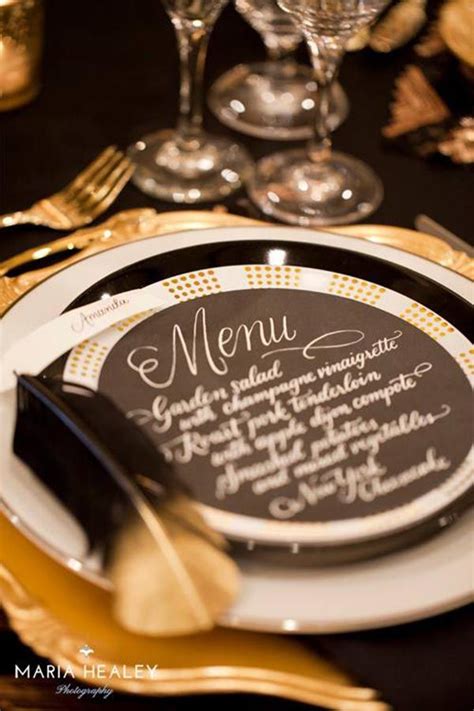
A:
(192, 45)
(326, 55)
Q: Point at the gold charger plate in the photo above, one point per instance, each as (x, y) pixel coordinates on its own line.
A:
(419, 243)
(55, 612)
(132, 225)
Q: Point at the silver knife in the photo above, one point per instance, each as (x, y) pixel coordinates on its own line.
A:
(423, 223)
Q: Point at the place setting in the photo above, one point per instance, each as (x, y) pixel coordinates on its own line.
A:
(236, 416)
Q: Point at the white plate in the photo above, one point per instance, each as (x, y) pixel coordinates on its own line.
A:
(424, 580)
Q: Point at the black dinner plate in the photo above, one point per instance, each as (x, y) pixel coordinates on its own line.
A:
(411, 284)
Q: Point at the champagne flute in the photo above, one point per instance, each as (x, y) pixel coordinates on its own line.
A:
(273, 99)
(188, 165)
(317, 186)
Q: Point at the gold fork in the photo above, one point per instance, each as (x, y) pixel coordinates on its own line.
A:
(84, 199)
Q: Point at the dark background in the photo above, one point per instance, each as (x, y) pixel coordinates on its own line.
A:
(111, 75)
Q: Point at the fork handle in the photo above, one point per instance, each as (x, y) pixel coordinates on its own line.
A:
(15, 218)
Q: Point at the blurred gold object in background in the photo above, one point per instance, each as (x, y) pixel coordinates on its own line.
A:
(459, 144)
(456, 26)
(415, 104)
(452, 29)
(21, 39)
(398, 26)
(431, 43)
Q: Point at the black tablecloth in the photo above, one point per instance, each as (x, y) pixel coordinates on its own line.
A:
(111, 75)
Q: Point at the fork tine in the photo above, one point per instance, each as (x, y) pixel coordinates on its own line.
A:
(86, 175)
(86, 188)
(115, 190)
(90, 188)
(88, 199)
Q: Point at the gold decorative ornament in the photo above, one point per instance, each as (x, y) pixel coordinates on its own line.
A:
(416, 104)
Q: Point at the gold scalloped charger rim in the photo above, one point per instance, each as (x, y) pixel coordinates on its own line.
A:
(418, 243)
(47, 636)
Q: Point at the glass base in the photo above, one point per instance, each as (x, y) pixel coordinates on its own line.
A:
(273, 100)
(292, 189)
(204, 170)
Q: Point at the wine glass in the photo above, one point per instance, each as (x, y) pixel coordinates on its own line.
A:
(273, 99)
(188, 165)
(316, 186)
